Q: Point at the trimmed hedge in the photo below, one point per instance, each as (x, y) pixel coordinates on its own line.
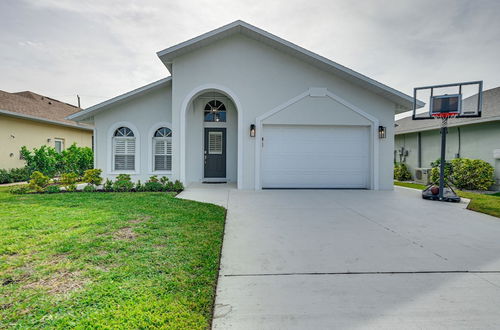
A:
(14, 175)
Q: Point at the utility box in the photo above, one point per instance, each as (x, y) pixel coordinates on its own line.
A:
(423, 175)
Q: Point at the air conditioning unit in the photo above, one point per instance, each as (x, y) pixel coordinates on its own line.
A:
(423, 175)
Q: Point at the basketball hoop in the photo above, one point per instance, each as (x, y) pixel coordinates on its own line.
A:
(458, 100)
(445, 115)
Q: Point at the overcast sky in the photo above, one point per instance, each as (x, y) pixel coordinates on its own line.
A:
(102, 48)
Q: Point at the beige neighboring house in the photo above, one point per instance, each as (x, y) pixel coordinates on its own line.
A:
(32, 120)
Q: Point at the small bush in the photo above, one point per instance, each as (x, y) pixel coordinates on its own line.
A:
(448, 171)
(68, 180)
(89, 188)
(139, 186)
(178, 186)
(108, 185)
(92, 177)
(38, 181)
(20, 190)
(472, 174)
(169, 186)
(164, 180)
(52, 189)
(123, 183)
(153, 178)
(14, 175)
(401, 172)
(153, 186)
(44, 159)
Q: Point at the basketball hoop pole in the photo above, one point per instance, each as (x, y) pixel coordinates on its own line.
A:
(444, 122)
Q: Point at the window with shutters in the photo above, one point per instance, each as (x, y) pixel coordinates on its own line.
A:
(215, 143)
(124, 149)
(162, 149)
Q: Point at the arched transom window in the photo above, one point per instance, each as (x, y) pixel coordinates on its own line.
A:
(124, 149)
(162, 149)
(215, 111)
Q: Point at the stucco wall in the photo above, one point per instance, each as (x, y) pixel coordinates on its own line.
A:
(476, 141)
(143, 113)
(16, 132)
(262, 78)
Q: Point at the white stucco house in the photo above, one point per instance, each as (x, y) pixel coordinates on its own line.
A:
(245, 106)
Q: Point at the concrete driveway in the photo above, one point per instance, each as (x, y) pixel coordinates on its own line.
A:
(317, 259)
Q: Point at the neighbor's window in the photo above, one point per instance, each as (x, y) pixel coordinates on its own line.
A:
(59, 145)
(162, 149)
(215, 111)
(124, 149)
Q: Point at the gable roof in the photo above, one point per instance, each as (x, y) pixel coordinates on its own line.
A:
(84, 114)
(490, 112)
(33, 106)
(167, 55)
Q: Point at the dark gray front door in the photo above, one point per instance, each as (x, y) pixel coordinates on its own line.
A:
(215, 153)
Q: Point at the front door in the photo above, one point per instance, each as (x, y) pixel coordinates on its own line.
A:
(215, 153)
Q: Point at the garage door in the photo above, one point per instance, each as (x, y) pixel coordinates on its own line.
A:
(315, 156)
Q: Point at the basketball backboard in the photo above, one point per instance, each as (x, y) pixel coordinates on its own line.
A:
(462, 100)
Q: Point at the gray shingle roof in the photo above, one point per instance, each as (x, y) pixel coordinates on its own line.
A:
(491, 112)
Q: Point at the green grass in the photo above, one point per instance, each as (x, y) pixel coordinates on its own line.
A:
(489, 204)
(108, 260)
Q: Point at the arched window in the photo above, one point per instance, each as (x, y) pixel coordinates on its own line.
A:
(162, 149)
(123, 149)
(215, 111)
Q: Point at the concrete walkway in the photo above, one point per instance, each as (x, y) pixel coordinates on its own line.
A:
(317, 259)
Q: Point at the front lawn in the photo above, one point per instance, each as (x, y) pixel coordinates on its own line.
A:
(489, 204)
(114, 260)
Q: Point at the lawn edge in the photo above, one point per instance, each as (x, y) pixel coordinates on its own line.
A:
(218, 270)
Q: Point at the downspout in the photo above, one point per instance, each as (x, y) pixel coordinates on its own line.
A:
(459, 143)
(419, 148)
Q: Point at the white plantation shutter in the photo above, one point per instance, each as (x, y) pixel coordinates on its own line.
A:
(215, 143)
(162, 149)
(124, 153)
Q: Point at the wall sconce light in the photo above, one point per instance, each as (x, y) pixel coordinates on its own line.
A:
(49, 139)
(381, 132)
(252, 130)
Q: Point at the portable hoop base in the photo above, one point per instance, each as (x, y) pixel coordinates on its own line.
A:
(448, 195)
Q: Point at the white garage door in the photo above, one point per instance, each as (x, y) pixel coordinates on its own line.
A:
(315, 156)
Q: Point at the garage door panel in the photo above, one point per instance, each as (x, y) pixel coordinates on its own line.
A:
(315, 157)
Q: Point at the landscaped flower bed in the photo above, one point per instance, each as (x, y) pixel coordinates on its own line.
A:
(93, 182)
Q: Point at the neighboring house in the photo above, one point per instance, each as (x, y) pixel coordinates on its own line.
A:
(418, 142)
(32, 120)
(245, 106)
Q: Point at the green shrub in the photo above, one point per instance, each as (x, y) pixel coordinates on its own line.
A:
(68, 180)
(92, 177)
(89, 188)
(123, 183)
(20, 174)
(153, 178)
(153, 186)
(51, 163)
(20, 190)
(52, 189)
(178, 186)
(44, 159)
(465, 173)
(448, 171)
(38, 181)
(139, 186)
(169, 186)
(164, 180)
(77, 159)
(5, 176)
(108, 185)
(401, 172)
(472, 174)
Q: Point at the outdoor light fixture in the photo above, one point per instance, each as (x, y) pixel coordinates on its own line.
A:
(381, 132)
(252, 130)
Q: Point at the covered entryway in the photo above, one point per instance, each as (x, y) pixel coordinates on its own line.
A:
(314, 156)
